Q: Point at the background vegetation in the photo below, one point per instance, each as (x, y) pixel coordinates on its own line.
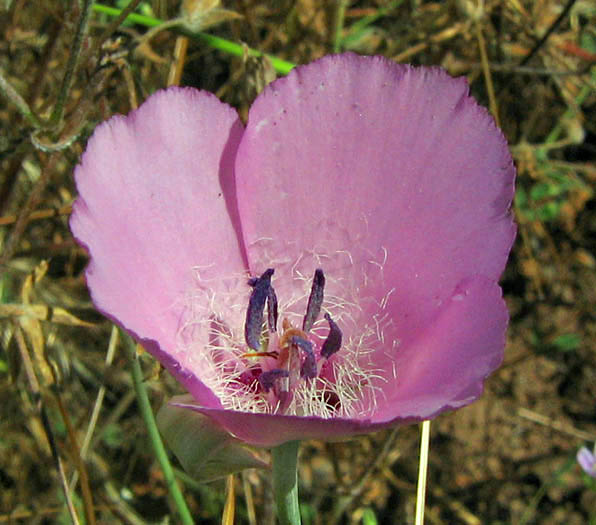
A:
(65, 377)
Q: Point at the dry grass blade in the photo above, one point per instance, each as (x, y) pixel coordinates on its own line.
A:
(42, 312)
(49, 434)
(230, 506)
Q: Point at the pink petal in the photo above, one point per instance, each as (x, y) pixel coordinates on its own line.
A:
(391, 179)
(445, 367)
(157, 201)
(360, 160)
(442, 370)
(266, 430)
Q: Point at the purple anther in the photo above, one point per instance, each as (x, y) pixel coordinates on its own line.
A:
(272, 310)
(256, 307)
(268, 379)
(309, 366)
(333, 342)
(315, 300)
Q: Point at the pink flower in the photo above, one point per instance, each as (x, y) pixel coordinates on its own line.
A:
(587, 461)
(389, 179)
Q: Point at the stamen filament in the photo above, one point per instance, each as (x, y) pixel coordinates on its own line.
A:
(260, 354)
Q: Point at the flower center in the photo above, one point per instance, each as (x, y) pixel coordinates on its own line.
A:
(290, 358)
(257, 355)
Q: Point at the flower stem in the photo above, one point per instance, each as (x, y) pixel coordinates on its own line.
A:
(156, 442)
(285, 482)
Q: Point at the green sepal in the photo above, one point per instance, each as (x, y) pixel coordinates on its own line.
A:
(204, 449)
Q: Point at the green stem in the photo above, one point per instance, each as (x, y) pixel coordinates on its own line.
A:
(285, 482)
(155, 438)
(281, 66)
(340, 14)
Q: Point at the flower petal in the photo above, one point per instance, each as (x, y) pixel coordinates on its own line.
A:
(587, 461)
(445, 367)
(393, 171)
(442, 370)
(267, 430)
(156, 209)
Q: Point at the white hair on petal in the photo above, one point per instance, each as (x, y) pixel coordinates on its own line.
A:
(211, 338)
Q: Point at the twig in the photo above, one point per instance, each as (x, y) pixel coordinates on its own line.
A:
(492, 100)
(98, 404)
(55, 146)
(456, 506)
(542, 41)
(177, 67)
(108, 31)
(532, 71)
(343, 501)
(541, 492)
(358, 486)
(548, 33)
(19, 102)
(130, 87)
(81, 468)
(47, 213)
(10, 175)
(36, 395)
(71, 65)
(556, 425)
(21, 222)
